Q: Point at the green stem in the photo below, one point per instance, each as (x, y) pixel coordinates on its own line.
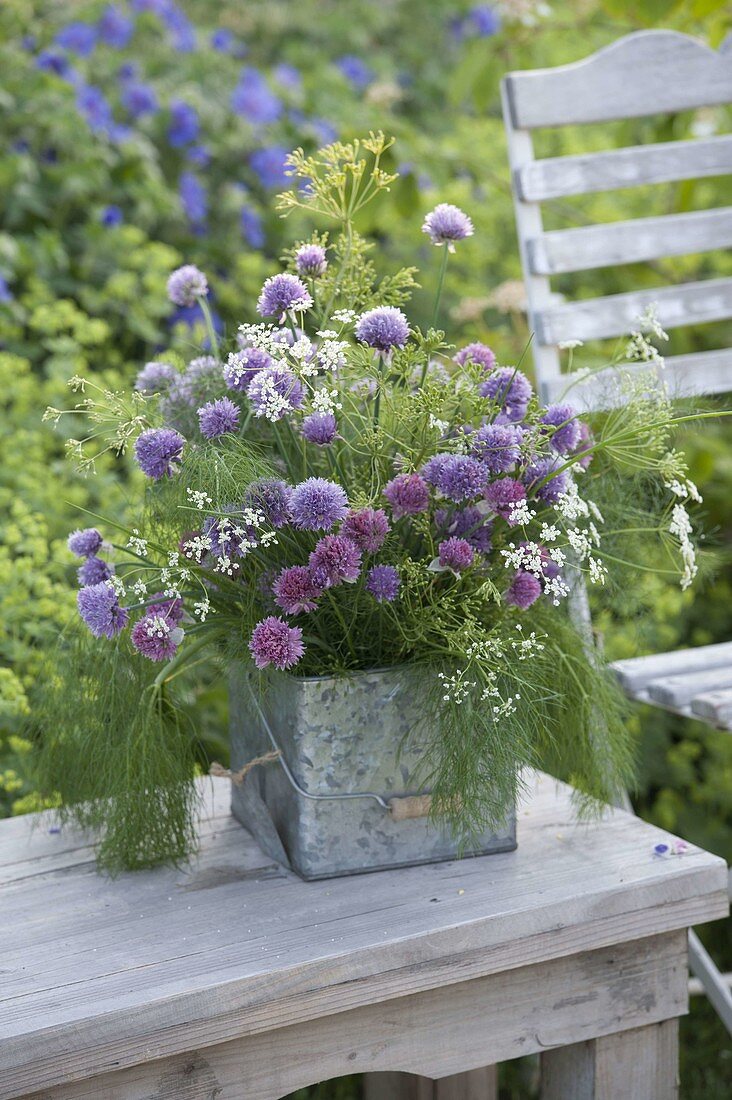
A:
(213, 339)
(180, 659)
(440, 282)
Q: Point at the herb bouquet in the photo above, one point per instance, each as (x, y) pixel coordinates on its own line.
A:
(341, 493)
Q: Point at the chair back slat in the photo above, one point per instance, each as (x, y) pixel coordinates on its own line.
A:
(594, 246)
(638, 165)
(650, 72)
(644, 73)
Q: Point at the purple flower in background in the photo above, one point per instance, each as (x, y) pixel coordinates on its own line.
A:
(524, 590)
(183, 33)
(94, 571)
(138, 99)
(184, 124)
(111, 216)
(585, 440)
(295, 590)
(319, 428)
(325, 132)
(310, 260)
(254, 100)
(407, 494)
(271, 497)
(252, 228)
(241, 367)
(156, 636)
(317, 504)
(155, 377)
(566, 435)
(482, 21)
(99, 607)
(368, 528)
(282, 293)
(355, 70)
(186, 284)
(79, 38)
(447, 224)
(466, 523)
(542, 468)
(198, 155)
(383, 328)
(383, 583)
(5, 292)
(270, 167)
(84, 543)
(158, 452)
(476, 353)
(275, 643)
(218, 417)
(510, 389)
(502, 495)
(193, 198)
(457, 477)
(50, 61)
(115, 28)
(201, 380)
(222, 39)
(274, 392)
(287, 75)
(455, 554)
(335, 560)
(498, 446)
(93, 105)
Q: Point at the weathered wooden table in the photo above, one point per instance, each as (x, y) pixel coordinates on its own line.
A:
(232, 979)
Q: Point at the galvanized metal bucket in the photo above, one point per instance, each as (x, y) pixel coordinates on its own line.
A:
(338, 800)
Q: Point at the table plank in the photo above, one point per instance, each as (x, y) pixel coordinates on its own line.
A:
(99, 972)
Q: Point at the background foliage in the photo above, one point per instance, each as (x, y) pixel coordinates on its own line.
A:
(99, 206)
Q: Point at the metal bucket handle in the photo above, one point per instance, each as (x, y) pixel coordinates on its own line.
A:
(401, 807)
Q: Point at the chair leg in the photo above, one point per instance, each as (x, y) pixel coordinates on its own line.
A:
(477, 1084)
(640, 1064)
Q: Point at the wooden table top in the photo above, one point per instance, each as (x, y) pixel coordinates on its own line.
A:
(97, 974)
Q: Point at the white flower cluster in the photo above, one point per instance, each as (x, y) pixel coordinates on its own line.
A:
(680, 526)
(158, 627)
(439, 425)
(174, 576)
(200, 499)
(332, 354)
(639, 347)
(272, 404)
(137, 544)
(269, 338)
(533, 558)
(344, 316)
(519, 513)
(456, 688)
(326, 401)
(526, 647)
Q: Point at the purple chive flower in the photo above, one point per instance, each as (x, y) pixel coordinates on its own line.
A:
(310, 260)
(79, 38)
(94, 571)
(156, 636)
(186, 284)
(84, 542)
(241, 367)
(475, 353)
(368, 528)
(503, 494)
(98, 606)
(218, 417)
(274, 392)
(407, 494)
(281, 293)
(355, 70)
(447, 224)
(115, 28)
(169, 608)
(334, 560)
(158, 452)
(155, 377)
(295, 590)
(318, 504)
(320, 428)
(383, 328)
(269, 165)
(138, 99)
(510, 389)
(524, 590)
(272, 497)
(457, 477)
(455, 554)
(566, 435)
(273, 642)
(184, 124)
(466, 523)
(542, 468)
(498, 446)
(383, 583)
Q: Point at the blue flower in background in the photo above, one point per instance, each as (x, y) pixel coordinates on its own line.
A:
(325, 132)
(93, 105)
(139, 99)
(50, 61)
(288, 76)
(184, 126)
(252, 229)
(254, 100)
(28, 42)
(222, 40)
(193, 315)
(111, 216)
(199, 155)
(157, 7)
(115, 28)
(482, 21)
(79, 38)
(127, 71)
(268, 164)
(5, 293)
(183, 31)
(193, 198)
(355, 70)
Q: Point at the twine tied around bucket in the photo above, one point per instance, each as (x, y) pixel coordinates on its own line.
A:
(238, 777)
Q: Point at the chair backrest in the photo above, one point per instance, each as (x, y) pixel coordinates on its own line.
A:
(646, 73)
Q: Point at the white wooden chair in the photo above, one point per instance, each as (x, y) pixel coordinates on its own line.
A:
(643, 74)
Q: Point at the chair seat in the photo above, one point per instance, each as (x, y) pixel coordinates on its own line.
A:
(694, 682)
